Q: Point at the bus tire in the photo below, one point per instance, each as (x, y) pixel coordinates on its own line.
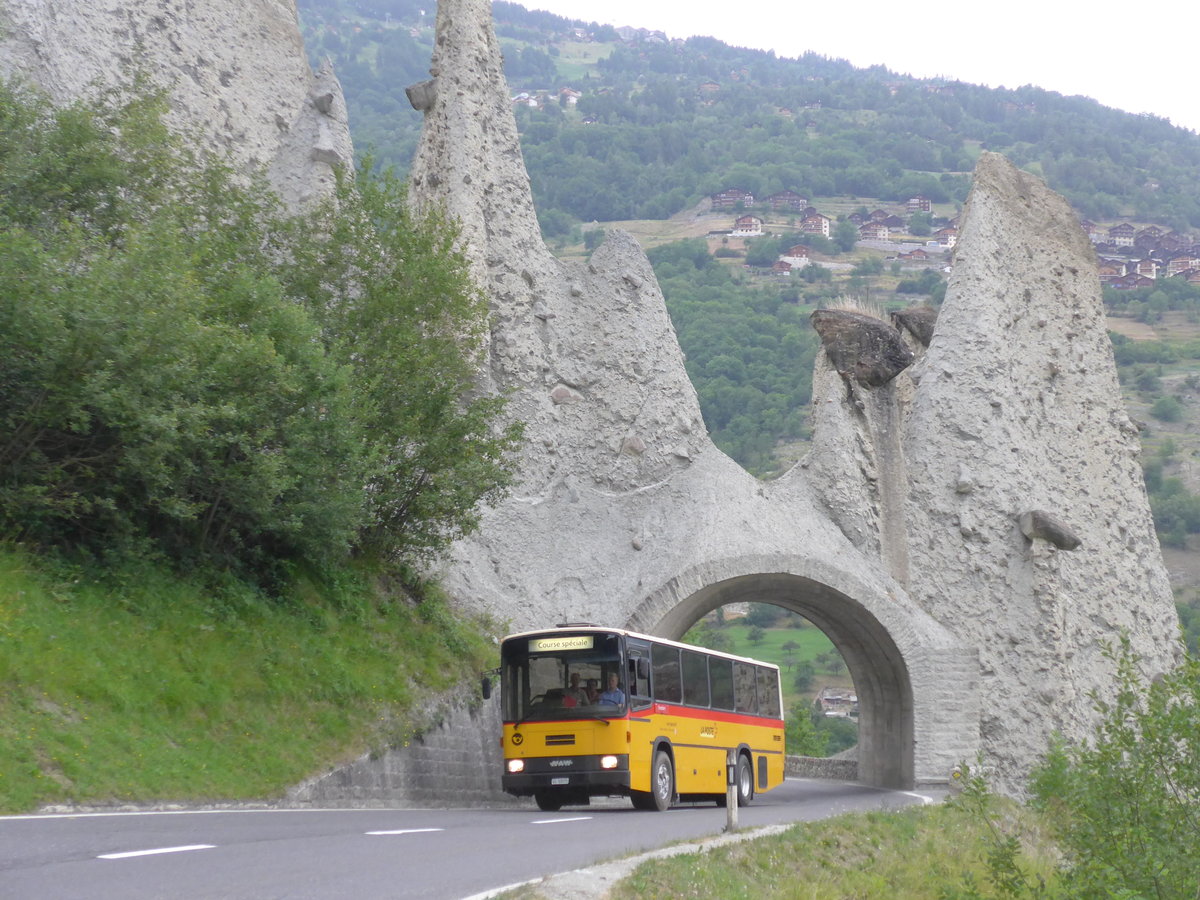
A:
(745, 780)
(548, 801)
(662, 781)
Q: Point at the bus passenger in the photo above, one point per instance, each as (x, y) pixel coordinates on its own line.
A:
(614, 694)
(592, 690)
(576, 692)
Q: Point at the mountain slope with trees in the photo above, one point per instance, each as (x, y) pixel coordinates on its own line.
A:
(658, 124)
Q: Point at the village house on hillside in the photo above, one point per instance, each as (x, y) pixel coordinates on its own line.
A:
(796, 257)
(747, 226)
(919, 204)
(731, 197)
(816, 223)
(1122, 235)
(946, 237)
(874, 231)
(787, 200)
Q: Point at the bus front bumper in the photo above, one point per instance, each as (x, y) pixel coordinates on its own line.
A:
(572, 773)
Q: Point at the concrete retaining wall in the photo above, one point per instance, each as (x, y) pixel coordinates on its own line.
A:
(454, 762)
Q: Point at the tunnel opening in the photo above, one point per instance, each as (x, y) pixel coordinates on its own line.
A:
(819, 696)
(873, 661)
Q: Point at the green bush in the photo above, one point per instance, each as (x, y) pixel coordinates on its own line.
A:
(1126, 804)
(1167, 409)
(185, 372)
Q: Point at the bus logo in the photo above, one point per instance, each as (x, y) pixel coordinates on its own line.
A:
(562, 762)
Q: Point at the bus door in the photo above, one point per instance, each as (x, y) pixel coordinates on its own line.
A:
(638, 675)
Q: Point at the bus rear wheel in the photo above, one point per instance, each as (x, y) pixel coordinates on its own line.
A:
(548, 801)
(745, 781)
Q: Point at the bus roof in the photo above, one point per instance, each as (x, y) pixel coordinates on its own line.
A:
(584, 628)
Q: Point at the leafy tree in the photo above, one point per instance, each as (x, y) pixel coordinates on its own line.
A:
(397, 307)
(804, 677)
(1124, 803)
(802, 736)
(845, 236)
(191, 374)
(1167, 409)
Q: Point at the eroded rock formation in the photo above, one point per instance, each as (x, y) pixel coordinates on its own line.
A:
(236, 72)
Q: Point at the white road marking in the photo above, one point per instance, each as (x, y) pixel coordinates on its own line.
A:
(133, 853)
(556, 821)
(406, 831)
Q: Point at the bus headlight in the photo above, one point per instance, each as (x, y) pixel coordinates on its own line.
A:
(608, 762)
(516, 766)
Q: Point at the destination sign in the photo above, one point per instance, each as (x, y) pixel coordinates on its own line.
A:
(571, 642)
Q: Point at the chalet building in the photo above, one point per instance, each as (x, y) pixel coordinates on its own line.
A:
(917, 255)
(879, 215)
(1095, 233)
(1146, 267)
(1148, 239)
(1131, 282)
(1111, 269)
(874, 231)
(895, 223)
(946, 237)
(747, 226)
(815, 223)
(919, 204)
(840, 702)
(1179, 264)
(855, 218)
(787, 201)
(781, 267)
(1176, 242)
(1122, 235)
(569, 96)
(710, 87)
(731, 197)
(796, 257)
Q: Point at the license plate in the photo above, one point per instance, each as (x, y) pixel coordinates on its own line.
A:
(560, 780)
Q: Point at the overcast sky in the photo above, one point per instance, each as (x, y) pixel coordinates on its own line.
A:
(1122, 60)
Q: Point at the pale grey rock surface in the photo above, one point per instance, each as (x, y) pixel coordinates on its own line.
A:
(1017, 409)
(236, 72)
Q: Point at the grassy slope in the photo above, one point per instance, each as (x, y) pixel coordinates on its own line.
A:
(147, 691)
(932, 852)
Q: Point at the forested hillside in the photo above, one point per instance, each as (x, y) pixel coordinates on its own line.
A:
(633, 125)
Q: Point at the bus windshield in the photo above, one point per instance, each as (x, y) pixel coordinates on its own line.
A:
(562, 676)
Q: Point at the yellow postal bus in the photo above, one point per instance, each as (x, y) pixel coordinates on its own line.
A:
(592, 711)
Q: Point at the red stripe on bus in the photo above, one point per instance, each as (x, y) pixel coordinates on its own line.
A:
(692, 712)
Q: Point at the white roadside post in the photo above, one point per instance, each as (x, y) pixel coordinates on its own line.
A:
(731, 791)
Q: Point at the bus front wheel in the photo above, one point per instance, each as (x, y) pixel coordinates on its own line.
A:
(548, 801)
(662, 785)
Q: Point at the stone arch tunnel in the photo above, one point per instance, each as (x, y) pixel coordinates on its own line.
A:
(885, 748)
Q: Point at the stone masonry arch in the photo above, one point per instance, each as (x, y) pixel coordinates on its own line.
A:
(879, 643)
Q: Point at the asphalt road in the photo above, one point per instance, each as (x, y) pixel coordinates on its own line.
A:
(443, 854)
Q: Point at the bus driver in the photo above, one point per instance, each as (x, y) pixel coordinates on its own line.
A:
(614, 694)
